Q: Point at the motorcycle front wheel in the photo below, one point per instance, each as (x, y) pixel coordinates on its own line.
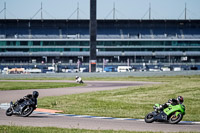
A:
(27, 111)
(9, 111)
(175, 119)
(149, 118)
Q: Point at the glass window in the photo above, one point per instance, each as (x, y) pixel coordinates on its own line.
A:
(23, 43)
(36, 43)
(2, 43)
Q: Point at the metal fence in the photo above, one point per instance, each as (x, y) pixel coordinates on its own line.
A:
(103, 74)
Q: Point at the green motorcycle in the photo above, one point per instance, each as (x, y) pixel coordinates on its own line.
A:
(173, 114)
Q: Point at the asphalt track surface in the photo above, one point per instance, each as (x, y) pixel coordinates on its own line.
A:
(43, 120)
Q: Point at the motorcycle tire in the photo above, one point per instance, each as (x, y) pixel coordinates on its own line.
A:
(9, 112)
(27, 111)
(175, 119)
(149, 118)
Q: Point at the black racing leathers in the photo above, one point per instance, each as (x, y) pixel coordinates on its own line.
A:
(27, 97)
(170, 101)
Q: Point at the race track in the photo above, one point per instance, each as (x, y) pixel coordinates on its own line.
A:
(45, 120)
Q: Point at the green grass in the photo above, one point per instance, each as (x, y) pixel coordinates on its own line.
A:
(39, 78)
(132, 102)
(20, 129)
(34, 85)
(148, 79)
(129, 78)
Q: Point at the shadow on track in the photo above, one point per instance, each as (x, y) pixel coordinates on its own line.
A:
(38, 117)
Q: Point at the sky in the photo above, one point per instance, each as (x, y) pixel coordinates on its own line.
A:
(124, 9)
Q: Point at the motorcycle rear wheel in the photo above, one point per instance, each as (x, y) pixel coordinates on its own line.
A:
(9, 112)
(149, 118)
(175, 119)
(27, 111)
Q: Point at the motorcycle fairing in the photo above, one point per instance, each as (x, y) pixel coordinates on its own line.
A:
(177, 108)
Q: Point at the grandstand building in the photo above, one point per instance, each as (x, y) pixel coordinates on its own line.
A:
(119, 42)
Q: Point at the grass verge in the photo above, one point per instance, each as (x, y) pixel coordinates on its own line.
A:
(129, 78)
(20, 129)
(132, 102)
(34, 85)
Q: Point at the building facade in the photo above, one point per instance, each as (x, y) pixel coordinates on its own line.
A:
(119, 42)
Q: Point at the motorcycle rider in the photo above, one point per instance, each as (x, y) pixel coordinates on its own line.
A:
(78, 79)
(178, 100)
(33, 97)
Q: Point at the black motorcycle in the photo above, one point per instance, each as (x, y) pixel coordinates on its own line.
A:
(23, 109)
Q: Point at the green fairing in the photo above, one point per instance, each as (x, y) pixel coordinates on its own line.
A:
(179, 108)
(157, 105)
(177, 113)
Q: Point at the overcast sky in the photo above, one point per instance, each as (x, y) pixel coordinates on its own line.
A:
(125, 9)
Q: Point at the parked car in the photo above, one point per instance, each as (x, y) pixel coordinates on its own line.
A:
(82, 69)
(33, 70)
(124, 69)
(154, 70)
(177, 69)
(99, 69)
(16, 70)
(165, 69)
(109, 69)
(5, 70)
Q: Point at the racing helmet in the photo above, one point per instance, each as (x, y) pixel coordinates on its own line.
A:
(35, 94)
(76, 77)
(180, 99)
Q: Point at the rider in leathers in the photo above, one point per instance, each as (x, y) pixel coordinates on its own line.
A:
(33, 97)
(173, 101)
